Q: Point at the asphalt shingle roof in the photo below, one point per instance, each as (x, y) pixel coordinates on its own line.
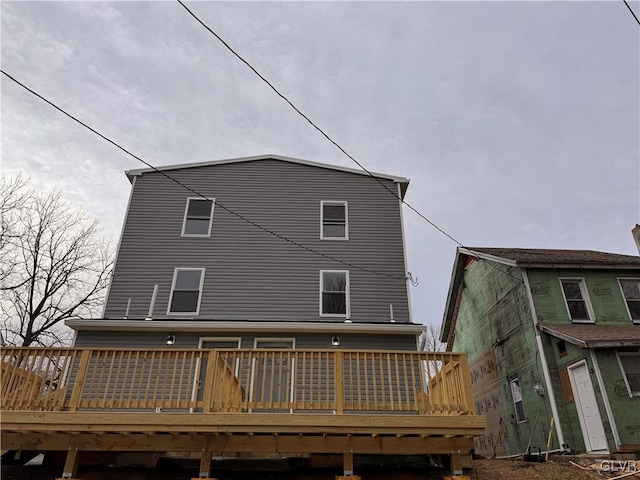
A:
(559, 257)
(593, 335)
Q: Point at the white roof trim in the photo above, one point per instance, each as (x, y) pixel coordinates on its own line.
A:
(140, 171)
(214, 327)
(486, 256)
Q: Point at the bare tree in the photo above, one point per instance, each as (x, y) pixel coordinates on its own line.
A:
(430, 339)
(59, 266)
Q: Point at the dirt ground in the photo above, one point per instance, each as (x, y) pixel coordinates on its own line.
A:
(482, 470)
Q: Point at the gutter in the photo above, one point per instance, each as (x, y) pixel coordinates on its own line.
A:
(208, 326)
(543, 361)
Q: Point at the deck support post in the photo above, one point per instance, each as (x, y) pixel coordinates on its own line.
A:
(348, 467)
(456, 464)
(205, 465)
(71, 463)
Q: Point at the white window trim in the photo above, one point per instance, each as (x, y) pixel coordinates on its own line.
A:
(624, 374)
(220, 339)
(173, 284)
(274, 339)
(515, 409)
(624, 299)
(585, 297)
(184, 218)
(346, 219)
(347, 315)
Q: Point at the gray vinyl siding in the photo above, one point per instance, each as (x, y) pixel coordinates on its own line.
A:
(318, 341)
(251, 274)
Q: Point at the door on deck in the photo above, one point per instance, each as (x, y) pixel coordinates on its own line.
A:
(272, 376)
(588, 412)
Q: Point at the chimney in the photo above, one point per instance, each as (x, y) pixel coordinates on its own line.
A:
(636, 236)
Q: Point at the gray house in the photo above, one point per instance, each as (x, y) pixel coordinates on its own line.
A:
(250, 251)
(258, 306)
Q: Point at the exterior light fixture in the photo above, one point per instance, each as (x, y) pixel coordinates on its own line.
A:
(539, 389)
(335, 341)
(171, 339)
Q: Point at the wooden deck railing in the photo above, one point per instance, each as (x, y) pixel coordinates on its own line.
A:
(198, 380)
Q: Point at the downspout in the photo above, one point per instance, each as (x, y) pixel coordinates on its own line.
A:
(605, 399)
(543, 361)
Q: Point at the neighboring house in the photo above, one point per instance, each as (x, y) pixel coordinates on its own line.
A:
(549, 334)
(257, 305)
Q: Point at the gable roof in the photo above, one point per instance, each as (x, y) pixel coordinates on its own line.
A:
(404, 182)
(596, 336)
(528, 258)
(541, 257)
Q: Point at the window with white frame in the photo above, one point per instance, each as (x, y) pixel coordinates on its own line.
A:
(577, 300)
(630, 366)
(334, 293)
(198, 216)
(516, 393)
(631, 292)
(334, 221)
(186, 291)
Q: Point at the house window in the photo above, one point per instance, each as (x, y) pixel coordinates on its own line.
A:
(334, 223)
(631, 292)
(197, 217)
(630, 366)
(517, 400)
(577, 300)
(186, 290)
(334, 293)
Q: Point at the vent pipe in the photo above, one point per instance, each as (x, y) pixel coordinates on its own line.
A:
(391, 313)
(126, 313)
(153, 303)
(636, 235)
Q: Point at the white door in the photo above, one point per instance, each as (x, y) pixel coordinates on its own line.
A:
(587, 406)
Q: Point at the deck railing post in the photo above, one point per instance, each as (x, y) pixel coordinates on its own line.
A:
(338, 381)
(81, 377)
(466, 385)
(210, 398)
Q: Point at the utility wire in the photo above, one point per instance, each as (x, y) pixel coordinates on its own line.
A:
(627, 4)
(312, 123)
(271, 232)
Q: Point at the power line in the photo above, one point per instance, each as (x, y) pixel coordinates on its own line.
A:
(297, 110)
(271, 232)
(627, 4)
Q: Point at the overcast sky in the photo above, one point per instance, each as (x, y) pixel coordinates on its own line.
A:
(517, 122)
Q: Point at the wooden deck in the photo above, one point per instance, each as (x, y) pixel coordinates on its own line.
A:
(229, 401)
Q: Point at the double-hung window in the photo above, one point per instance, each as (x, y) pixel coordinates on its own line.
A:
(630, 366)
(577, 300)
(334, 224)
(517, 400)
(186, 291)
(334, 293)
(631, 292)
(198, 216)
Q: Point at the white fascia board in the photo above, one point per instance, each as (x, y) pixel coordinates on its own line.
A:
(486, 256)
(140, 171)
(204, 326)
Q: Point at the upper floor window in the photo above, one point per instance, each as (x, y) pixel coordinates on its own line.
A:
(517, 400)
(334, 221)
(631, 291)
(630, 366)
(198, 216)
(577, 300)
(334, 293)
(186, 290)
